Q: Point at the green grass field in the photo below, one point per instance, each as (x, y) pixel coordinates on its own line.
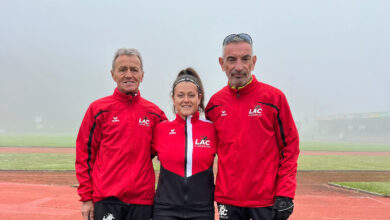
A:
(345, 147)
(38, 140)
(50, 161)
(42, 161)
(68, 140)
(381, 188)
(343, 162)
(36, 161)
(156, 165)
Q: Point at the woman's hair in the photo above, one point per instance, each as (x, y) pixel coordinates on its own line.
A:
(190, 75)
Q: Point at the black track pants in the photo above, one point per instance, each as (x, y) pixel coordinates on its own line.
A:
(228, 212)
(176, 218)
(112, 208)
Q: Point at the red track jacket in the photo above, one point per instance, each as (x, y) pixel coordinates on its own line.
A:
(258, 145)
(186, 150)
(113, 149)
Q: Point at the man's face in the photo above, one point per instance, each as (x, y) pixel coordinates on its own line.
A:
(238, 63)
(127, 73)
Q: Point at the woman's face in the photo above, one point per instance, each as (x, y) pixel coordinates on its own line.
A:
(186, 99)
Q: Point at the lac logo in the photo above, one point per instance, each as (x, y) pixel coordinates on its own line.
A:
(256, 111)
(223, 212)
(203, 143)
(144, 122)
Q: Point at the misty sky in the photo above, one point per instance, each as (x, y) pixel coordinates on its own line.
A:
(328, 57)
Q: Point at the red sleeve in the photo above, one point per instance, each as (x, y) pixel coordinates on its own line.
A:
(208, 110)
(87, 145)
(162, 118)
(288, 142)
(154, 140)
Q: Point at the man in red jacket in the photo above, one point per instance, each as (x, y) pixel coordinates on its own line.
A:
(113, 147)
(258, 140)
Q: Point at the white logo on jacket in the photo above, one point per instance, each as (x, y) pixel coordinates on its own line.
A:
(144, 122)
(223, 113)
(256, 111)
(109, 216)
(172, 131)
(115, 119)
(204, 142)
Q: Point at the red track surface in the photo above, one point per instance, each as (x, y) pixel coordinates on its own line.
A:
(315, 200)
(37, 202)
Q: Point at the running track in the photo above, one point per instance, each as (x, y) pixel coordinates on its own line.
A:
(48, 202)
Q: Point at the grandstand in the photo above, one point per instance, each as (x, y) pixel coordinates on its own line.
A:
(360, 127)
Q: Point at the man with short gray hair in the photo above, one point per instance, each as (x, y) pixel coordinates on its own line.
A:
(258, 141)
(113, 147)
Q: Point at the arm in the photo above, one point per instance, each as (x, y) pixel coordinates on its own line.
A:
(209, 110)
(87, 144)
(288, 142)
(161, 117)
(153, 149)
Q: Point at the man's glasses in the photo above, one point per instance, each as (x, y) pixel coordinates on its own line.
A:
(237, 38)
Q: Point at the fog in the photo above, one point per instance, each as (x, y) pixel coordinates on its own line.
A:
(328, 57)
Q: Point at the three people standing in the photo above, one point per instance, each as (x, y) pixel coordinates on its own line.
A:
(251, 129)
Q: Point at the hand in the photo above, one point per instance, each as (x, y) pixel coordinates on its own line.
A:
(282, 208)
(87, 210)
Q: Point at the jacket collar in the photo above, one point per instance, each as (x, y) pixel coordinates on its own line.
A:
(126, 98)
(194, 118)
(245, 89)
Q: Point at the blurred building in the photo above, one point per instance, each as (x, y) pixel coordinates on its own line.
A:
(362, 127)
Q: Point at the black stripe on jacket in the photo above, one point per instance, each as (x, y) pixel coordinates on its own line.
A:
(90, 142)
(279, 121)
(211, 108)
